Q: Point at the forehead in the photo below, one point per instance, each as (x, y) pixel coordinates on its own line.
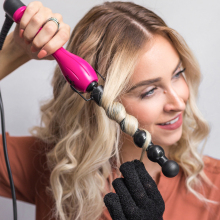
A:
(158, 58)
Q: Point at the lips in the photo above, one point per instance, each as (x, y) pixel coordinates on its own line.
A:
(176, 123)
(170, 119)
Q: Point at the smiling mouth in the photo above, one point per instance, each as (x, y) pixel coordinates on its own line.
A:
(171, 121)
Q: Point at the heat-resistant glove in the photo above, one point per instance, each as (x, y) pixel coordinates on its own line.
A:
(136, 197)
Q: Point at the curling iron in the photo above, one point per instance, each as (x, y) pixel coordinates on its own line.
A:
(82, 78)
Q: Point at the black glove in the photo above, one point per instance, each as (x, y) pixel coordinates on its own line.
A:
(137, 196)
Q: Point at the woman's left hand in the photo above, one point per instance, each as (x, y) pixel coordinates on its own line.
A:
(137, 196)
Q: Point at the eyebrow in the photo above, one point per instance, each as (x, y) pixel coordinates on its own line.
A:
(151, 81)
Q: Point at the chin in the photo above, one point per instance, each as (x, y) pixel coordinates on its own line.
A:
(167, 139)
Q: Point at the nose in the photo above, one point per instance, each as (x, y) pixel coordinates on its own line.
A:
(174, 102)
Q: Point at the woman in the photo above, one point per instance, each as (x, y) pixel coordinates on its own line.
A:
(79, 149)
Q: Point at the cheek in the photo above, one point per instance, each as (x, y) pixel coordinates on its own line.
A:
(146, 112)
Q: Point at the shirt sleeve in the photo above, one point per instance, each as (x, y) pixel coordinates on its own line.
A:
(26, 162)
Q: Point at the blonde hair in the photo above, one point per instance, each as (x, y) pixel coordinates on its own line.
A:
(86, 142)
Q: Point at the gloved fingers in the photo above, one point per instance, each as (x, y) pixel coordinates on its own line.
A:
(127, 203)
(112, 202)
(148, 183)
(134, 185)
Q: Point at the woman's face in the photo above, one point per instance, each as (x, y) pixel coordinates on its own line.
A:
(159, 92)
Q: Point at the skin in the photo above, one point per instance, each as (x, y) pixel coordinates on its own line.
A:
(159, 59)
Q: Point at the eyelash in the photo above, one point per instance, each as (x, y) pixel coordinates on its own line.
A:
(180, 72)
(147, 93)
(150, 92)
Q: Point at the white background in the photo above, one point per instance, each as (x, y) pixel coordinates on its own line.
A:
(197, 21)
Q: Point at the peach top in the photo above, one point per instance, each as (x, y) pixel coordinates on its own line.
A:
(31, 177)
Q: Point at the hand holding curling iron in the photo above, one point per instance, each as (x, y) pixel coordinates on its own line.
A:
(79, 73)
(48, 40)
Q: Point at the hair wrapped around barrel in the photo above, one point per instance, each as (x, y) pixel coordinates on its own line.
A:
(142, 138)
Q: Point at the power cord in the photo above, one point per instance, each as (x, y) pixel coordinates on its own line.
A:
(5, 29)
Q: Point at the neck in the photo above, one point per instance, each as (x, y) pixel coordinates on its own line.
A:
(129, 151)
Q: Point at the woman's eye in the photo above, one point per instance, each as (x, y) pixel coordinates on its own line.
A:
(149, 93)
(179, 73)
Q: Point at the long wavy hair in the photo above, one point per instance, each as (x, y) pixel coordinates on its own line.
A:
(86, 142)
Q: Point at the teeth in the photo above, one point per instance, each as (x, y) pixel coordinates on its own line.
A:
(171, 122)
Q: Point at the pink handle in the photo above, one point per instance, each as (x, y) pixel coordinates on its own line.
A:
(19, 13)
(76, 70)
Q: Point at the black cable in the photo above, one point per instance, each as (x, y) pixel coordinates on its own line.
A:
(6, 158)
(5, 29)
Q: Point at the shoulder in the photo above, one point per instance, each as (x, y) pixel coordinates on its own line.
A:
(212, 169)
(25, 143)
(28, 162)
(211, 165)
(20, 139)
(28, 152)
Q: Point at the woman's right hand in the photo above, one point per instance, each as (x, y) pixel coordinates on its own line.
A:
(47, 41)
